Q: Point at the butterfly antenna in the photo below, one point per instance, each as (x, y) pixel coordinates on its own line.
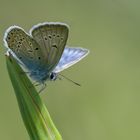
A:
(70, 80)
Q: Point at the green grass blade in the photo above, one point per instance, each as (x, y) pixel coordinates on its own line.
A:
(34, 113)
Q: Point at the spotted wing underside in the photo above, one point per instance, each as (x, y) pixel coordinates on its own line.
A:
(24, 47)
(52, 38)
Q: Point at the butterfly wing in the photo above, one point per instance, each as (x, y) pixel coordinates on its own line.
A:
(69, 57)
(24, 47)
(52, 38)
(41, 50)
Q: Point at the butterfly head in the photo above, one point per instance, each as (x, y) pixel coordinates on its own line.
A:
(53, 76)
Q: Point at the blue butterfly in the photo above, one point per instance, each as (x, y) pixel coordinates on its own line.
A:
(43, 52)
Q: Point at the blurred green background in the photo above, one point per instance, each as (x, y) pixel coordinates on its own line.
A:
(107, 106)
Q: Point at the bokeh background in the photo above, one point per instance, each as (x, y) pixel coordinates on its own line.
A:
(107, 106)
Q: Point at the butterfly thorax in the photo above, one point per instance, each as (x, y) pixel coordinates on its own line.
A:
(41, 76)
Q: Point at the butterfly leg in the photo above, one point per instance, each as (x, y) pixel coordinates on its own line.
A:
(59, 77)
(42, 88)
(36, 83)
(25, 72)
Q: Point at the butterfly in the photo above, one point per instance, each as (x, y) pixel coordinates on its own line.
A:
(43, 52)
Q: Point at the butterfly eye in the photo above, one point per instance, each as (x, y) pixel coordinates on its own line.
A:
(53, 76)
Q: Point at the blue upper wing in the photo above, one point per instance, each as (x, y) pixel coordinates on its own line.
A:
(69, 57)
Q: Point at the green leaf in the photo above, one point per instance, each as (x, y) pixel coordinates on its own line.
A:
(34, 113)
